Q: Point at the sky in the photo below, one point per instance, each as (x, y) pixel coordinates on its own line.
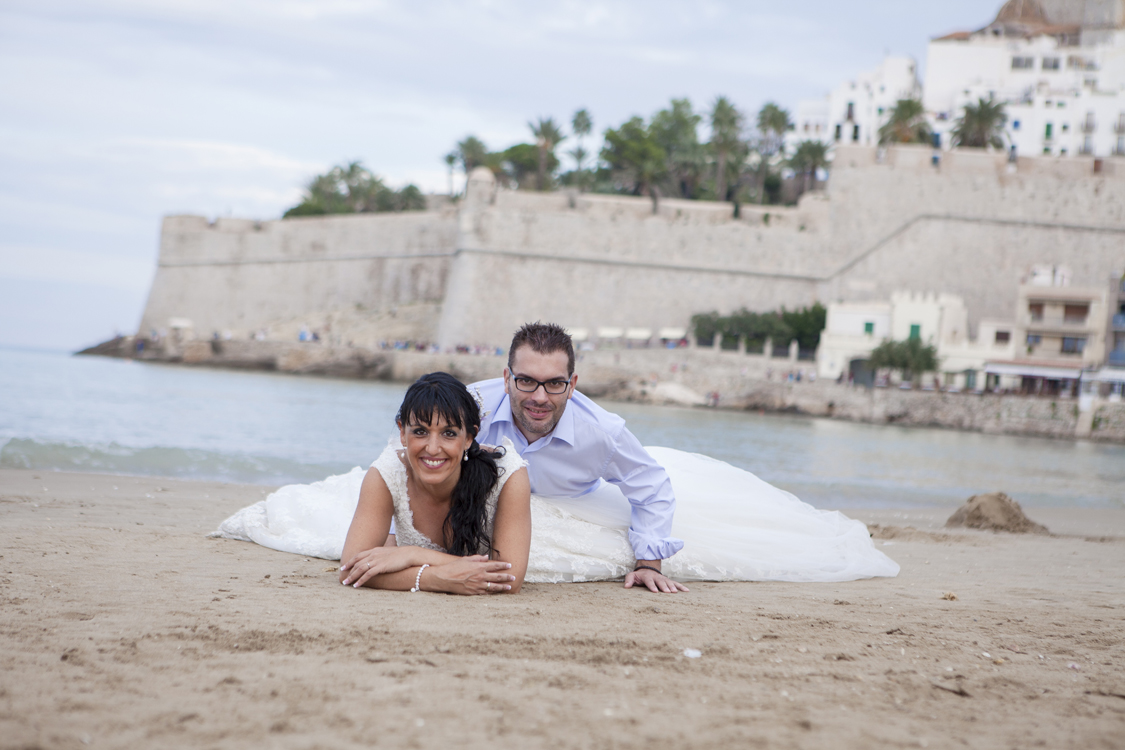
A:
(115, 113)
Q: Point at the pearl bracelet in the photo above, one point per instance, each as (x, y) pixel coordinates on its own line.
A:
(418, 579)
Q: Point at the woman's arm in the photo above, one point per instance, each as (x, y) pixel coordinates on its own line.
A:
(371, 563)
(366, 549)
(511, 530)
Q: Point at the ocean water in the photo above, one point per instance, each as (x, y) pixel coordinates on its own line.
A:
(59, 412)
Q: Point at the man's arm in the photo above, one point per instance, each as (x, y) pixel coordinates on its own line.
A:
(648, 489)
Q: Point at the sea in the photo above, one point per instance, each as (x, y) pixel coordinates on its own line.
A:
(60, 412)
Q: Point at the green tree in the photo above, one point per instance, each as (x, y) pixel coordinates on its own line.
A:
(473, 153)
(675, 130)
(582, 124)
(807, 158)
(726, 140)
(907, 124)
(981, 125)
(911, 357)
(635, 159)
(450, 161)
(547, 135)
(806, 324)
(773, 124)
(519, 165)
(351, 188)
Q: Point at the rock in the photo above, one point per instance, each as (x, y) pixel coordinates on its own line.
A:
(994, 511)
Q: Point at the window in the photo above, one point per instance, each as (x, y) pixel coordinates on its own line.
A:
(851, 111)
(1002, 337)
(1066, 127)
(839, 132)
(915, 331)
(1023, 63)
(1034, 339)
(1050, 63)
(1035, 309)
(880, 111)
(869, 328)
(855, 134)
(1049, 132)
(1075, 313)
(1073, 344)
(1015, 124)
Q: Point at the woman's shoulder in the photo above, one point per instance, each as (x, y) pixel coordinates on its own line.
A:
(389, 462)
(509, 462)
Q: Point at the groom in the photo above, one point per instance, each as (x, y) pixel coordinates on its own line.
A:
(570, 443)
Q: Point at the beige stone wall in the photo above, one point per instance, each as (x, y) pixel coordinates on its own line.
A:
(472, 273)
(242, 276)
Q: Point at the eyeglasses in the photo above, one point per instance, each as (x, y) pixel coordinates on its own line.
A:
(531, 385)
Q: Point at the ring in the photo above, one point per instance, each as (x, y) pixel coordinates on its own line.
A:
(488, 585)
(369, 565)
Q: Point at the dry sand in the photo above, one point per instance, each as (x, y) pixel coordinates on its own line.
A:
(123, 626)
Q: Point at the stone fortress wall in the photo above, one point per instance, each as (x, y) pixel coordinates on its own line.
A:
(471, 274)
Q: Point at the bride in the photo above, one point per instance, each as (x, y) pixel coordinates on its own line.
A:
(465, 522)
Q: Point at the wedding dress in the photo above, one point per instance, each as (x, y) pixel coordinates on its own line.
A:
(735, 527)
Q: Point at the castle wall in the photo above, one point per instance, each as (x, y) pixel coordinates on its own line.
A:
(243, 275)
(471, 274)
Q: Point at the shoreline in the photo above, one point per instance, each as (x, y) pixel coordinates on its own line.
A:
(727, 380)
(124, 625)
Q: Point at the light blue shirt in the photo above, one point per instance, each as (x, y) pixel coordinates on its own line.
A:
(590, 444)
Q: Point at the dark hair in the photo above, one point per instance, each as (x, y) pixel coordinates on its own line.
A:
(439, 395)
(545, 338)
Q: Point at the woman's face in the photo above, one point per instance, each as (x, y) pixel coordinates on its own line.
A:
(434, 450)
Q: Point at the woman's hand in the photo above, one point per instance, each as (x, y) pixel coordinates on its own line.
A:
(471, 575)
(376, 561)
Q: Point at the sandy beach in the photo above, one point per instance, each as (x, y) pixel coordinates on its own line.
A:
(123, 625)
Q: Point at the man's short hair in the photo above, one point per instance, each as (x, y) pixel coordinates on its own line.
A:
(544, 338)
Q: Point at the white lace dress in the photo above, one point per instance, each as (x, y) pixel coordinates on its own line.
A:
(735, 526)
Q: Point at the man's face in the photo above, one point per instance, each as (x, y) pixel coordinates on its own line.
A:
(536, 413)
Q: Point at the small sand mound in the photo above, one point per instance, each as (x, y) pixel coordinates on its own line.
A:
(994, 512)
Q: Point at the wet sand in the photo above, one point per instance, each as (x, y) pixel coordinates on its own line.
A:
(122, 625)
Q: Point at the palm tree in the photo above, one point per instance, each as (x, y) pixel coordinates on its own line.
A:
(907, 124)
(981, 125)
(450, 160)
(581, 124)
(773, 123)
(636, 158)
(807, 159)
(547, 135)
(472, 153)
(726, 138)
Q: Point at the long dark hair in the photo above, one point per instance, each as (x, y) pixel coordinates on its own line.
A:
(439, 395)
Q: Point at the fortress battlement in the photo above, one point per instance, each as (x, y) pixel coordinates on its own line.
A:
(471, 272)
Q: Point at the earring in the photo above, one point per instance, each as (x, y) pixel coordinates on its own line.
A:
(465, 457)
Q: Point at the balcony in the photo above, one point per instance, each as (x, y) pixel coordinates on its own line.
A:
(1116, 358)
(1089, 125)
(1119, 126)
(1118, 322)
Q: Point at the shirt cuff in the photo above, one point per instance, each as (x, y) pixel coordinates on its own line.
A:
(654, 547)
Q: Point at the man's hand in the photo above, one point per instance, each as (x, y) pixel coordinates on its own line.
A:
(655, 581)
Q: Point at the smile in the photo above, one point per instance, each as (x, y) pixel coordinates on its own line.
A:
(434, 463)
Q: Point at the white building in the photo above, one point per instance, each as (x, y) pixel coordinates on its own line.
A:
(855, 110)
(853, 330)
(1058, 66)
